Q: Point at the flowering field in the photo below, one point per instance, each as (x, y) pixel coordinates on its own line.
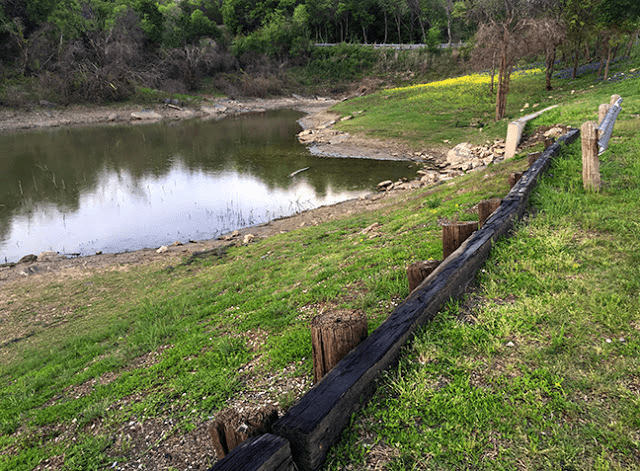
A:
(455, 109)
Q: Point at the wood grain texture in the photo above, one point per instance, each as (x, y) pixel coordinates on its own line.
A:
(418, 271)
(590, 159)
(333, 335)
(454, 234)
(487, 207)
(264, 453)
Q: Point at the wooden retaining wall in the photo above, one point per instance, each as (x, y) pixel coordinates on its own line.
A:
(315, 422)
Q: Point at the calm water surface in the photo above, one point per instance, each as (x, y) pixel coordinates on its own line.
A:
(120, 188)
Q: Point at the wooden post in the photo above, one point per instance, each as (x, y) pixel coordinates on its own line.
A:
(590, 161)
(418, 271)
(230, 429)
(486, 209)
(514, 177)
(532, 157)
(454, 234)
(602, 112)
(614, 98)
(333, 335)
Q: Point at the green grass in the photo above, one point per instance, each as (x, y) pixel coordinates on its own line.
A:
(537, 367)
(425, 116)
(169, 343)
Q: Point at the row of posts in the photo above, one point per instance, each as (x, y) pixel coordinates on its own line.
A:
(334, 333)
(591, 132)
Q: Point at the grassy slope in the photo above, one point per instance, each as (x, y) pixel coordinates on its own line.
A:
(538, 367)
(167, 342)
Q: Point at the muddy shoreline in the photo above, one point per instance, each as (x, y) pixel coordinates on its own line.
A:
(49, 115)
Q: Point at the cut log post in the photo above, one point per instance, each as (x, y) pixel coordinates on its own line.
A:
(486, 209)
(532, 157)
(418, 271)
(454, 234)
(514, 177)
(230, 429)
(602, 112)
(590, 161)
(333, 335)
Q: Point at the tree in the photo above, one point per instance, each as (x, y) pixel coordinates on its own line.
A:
(508, 30)
(617, 19)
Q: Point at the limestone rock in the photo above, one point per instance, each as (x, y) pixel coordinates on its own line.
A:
(460, 154)
(248, 238)
(385, 184)
(213, 110)
(370, 228)
(50, 256)
(28, 259)
(554, 132)
(145, 115)
(162, 249)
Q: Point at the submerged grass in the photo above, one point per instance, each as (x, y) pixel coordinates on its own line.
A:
(169, 342)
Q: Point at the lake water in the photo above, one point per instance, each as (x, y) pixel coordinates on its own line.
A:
(127, 187)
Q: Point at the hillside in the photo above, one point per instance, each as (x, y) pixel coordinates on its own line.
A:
(126, 366)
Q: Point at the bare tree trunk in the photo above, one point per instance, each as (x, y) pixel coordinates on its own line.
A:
(386, 27)
(632, 39)
(449, 7)
(551, 59)
(587, 52)
(493, 73)
(424, 34)
(606, 69)
(503, 84)
(413, 20)
(605, 48)
(576, 57)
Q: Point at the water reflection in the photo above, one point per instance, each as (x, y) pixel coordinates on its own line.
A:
(129, 187)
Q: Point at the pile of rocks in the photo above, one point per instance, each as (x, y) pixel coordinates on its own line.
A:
(323, 134)
(467, 156)
(463, 157)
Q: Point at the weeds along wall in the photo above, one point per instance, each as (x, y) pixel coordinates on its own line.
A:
(302, 438)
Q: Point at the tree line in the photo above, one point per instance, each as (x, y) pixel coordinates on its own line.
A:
(101, 50)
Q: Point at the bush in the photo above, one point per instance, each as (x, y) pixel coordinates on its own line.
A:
(342, 62)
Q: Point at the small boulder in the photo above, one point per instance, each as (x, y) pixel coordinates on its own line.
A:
(50, 256)
(28, 258)
(162, 249)
(145, 115)
(385, 184)
(460, 154)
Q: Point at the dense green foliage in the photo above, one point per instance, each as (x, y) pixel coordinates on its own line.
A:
(100, 50)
